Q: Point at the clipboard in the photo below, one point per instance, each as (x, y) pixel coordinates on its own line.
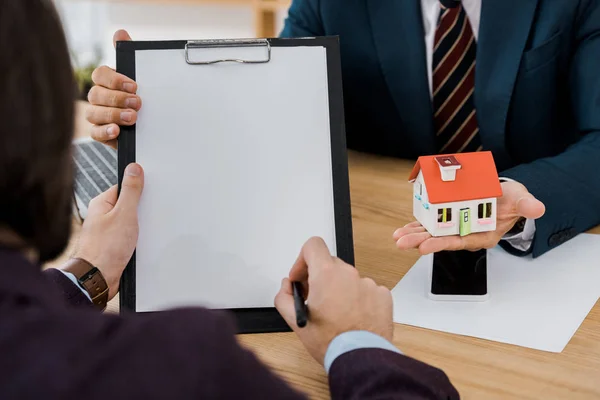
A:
(266, 119)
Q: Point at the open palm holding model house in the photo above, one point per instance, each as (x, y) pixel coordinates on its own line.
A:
(460, 203)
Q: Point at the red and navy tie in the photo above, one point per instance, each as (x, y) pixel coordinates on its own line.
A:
(454, 56)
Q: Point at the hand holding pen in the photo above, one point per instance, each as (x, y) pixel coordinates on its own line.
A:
(331, 298)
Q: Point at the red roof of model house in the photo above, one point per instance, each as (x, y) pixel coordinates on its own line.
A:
(475, 177)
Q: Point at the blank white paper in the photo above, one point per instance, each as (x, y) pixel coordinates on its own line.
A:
(237, 159)
(533, 303)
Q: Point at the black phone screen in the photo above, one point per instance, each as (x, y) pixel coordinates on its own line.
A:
(459, 273)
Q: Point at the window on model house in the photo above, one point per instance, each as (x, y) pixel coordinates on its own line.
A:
(444, 215)
(485, 210)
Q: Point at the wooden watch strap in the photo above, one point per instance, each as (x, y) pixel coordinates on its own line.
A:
(90, 278)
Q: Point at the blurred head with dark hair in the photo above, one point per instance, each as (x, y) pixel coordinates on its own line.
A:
(37, 112)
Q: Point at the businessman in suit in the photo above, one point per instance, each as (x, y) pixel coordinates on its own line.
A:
(517, 77)
(54, 341)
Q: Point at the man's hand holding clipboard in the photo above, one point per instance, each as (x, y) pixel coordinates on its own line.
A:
(113, 101)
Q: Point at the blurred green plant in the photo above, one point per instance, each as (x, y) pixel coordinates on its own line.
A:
(83, 74)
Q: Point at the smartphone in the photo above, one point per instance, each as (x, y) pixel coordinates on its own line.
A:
(459, 276)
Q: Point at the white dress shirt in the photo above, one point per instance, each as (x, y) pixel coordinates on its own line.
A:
(431, 13)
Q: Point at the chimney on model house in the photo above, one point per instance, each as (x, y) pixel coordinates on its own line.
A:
(448, 166)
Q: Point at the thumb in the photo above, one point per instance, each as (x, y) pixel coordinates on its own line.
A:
(103, 203)
(131, 188)
(530, 207)
(119, 36)
(284, 303)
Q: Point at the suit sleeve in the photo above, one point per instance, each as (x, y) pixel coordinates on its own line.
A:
(383, 374)
(568, 184)
(180, 354)
(303, 20)
(71, 293)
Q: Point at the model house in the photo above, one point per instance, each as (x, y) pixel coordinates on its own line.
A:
(456, 194)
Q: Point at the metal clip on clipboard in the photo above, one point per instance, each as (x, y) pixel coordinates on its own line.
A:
(203, 44)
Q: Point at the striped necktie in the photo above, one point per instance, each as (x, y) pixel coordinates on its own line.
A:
(454, 81)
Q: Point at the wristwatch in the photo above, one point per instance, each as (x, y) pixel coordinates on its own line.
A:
(90, 279)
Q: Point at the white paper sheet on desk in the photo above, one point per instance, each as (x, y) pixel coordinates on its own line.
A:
(533, 303)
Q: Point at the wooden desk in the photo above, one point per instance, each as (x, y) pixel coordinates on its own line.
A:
(480, 369)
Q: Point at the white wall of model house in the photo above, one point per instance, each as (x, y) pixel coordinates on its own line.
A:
(427, 213)
(421, 205)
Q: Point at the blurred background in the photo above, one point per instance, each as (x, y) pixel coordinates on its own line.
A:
(90, 24)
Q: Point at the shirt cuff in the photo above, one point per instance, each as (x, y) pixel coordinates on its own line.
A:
(522, 240)
(74, 280)
(355, 340)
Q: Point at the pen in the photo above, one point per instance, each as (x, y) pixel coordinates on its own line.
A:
(300, 305)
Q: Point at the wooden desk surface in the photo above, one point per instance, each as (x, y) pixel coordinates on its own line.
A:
(480, 369)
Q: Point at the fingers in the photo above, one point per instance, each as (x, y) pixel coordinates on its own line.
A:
(299, 271)
(436, 244)
(120, 36)
(381, 291)
(284, 303)
(368, 283)
(102, 96)
(315, 252)
(103, 203)
(113, 102)
(313, 256)
(131, 189)
(412, 240)
(473, 242)
(413, 227)
(530, 207)
(410, 236)
(106, 134)
(99, 115)
(110, 79)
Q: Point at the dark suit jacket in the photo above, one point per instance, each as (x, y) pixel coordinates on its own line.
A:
(53, 345)
(537, 93)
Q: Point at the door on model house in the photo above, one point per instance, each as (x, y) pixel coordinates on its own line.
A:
(465, 222)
